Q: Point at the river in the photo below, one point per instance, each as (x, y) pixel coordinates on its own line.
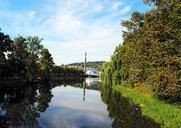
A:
(69, 103)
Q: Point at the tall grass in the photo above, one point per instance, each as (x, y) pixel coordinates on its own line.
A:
(169, 116)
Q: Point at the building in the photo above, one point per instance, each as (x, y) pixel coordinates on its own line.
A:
(91, 71)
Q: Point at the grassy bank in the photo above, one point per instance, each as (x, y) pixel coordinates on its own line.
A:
(169, 116)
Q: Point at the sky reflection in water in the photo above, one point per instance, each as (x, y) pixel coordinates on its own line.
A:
(75, 105)
(68, 110)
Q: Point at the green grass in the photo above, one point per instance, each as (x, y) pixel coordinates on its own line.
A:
(169, 116)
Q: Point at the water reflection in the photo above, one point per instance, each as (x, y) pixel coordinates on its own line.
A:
(69, 110)
(84, 88)
(91, 83)
(123, 112)
(20, 106)
(68, 103)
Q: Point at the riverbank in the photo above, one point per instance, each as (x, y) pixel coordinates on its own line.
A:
(169, 116)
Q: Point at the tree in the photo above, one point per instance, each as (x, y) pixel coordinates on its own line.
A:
(152, 50)
(46, 60)
(5, 46)
(5, 43)
(18, 57)
(33, 47)
(21, 57)
(46, 64)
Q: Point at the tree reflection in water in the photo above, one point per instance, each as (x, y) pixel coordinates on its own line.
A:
(123, 112)
(21, 106)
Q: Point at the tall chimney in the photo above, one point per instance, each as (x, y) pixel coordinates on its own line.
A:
(85, 61)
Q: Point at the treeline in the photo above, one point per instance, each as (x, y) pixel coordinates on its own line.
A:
(65, 71)
(91, 64)
(23, 58)
(150, 53)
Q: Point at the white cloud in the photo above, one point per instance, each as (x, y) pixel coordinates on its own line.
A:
(98, 47)
(71, 27)
(117, 5)
(122, 11)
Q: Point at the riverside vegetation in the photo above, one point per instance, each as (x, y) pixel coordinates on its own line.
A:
(25, 59)
(90, 64)
(146, 66)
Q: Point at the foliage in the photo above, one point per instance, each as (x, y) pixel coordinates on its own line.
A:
(91, 64)
(5, 46)
(151, 50)
(20, 58)
(63, 71)
(34, 47)
(46, 60)
(113, 72)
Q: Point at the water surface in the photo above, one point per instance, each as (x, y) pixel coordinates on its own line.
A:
(68, 103)
(73, 107)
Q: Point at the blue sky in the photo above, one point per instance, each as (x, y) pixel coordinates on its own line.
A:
(70, 27)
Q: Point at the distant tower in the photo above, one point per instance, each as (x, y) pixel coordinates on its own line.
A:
(85, 61)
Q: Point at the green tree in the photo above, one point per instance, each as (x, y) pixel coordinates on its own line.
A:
(18, 57)
(46, 60)
(5, 46)
(33, 47)
(152, 50)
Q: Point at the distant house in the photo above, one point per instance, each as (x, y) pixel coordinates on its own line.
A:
(91, 71)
